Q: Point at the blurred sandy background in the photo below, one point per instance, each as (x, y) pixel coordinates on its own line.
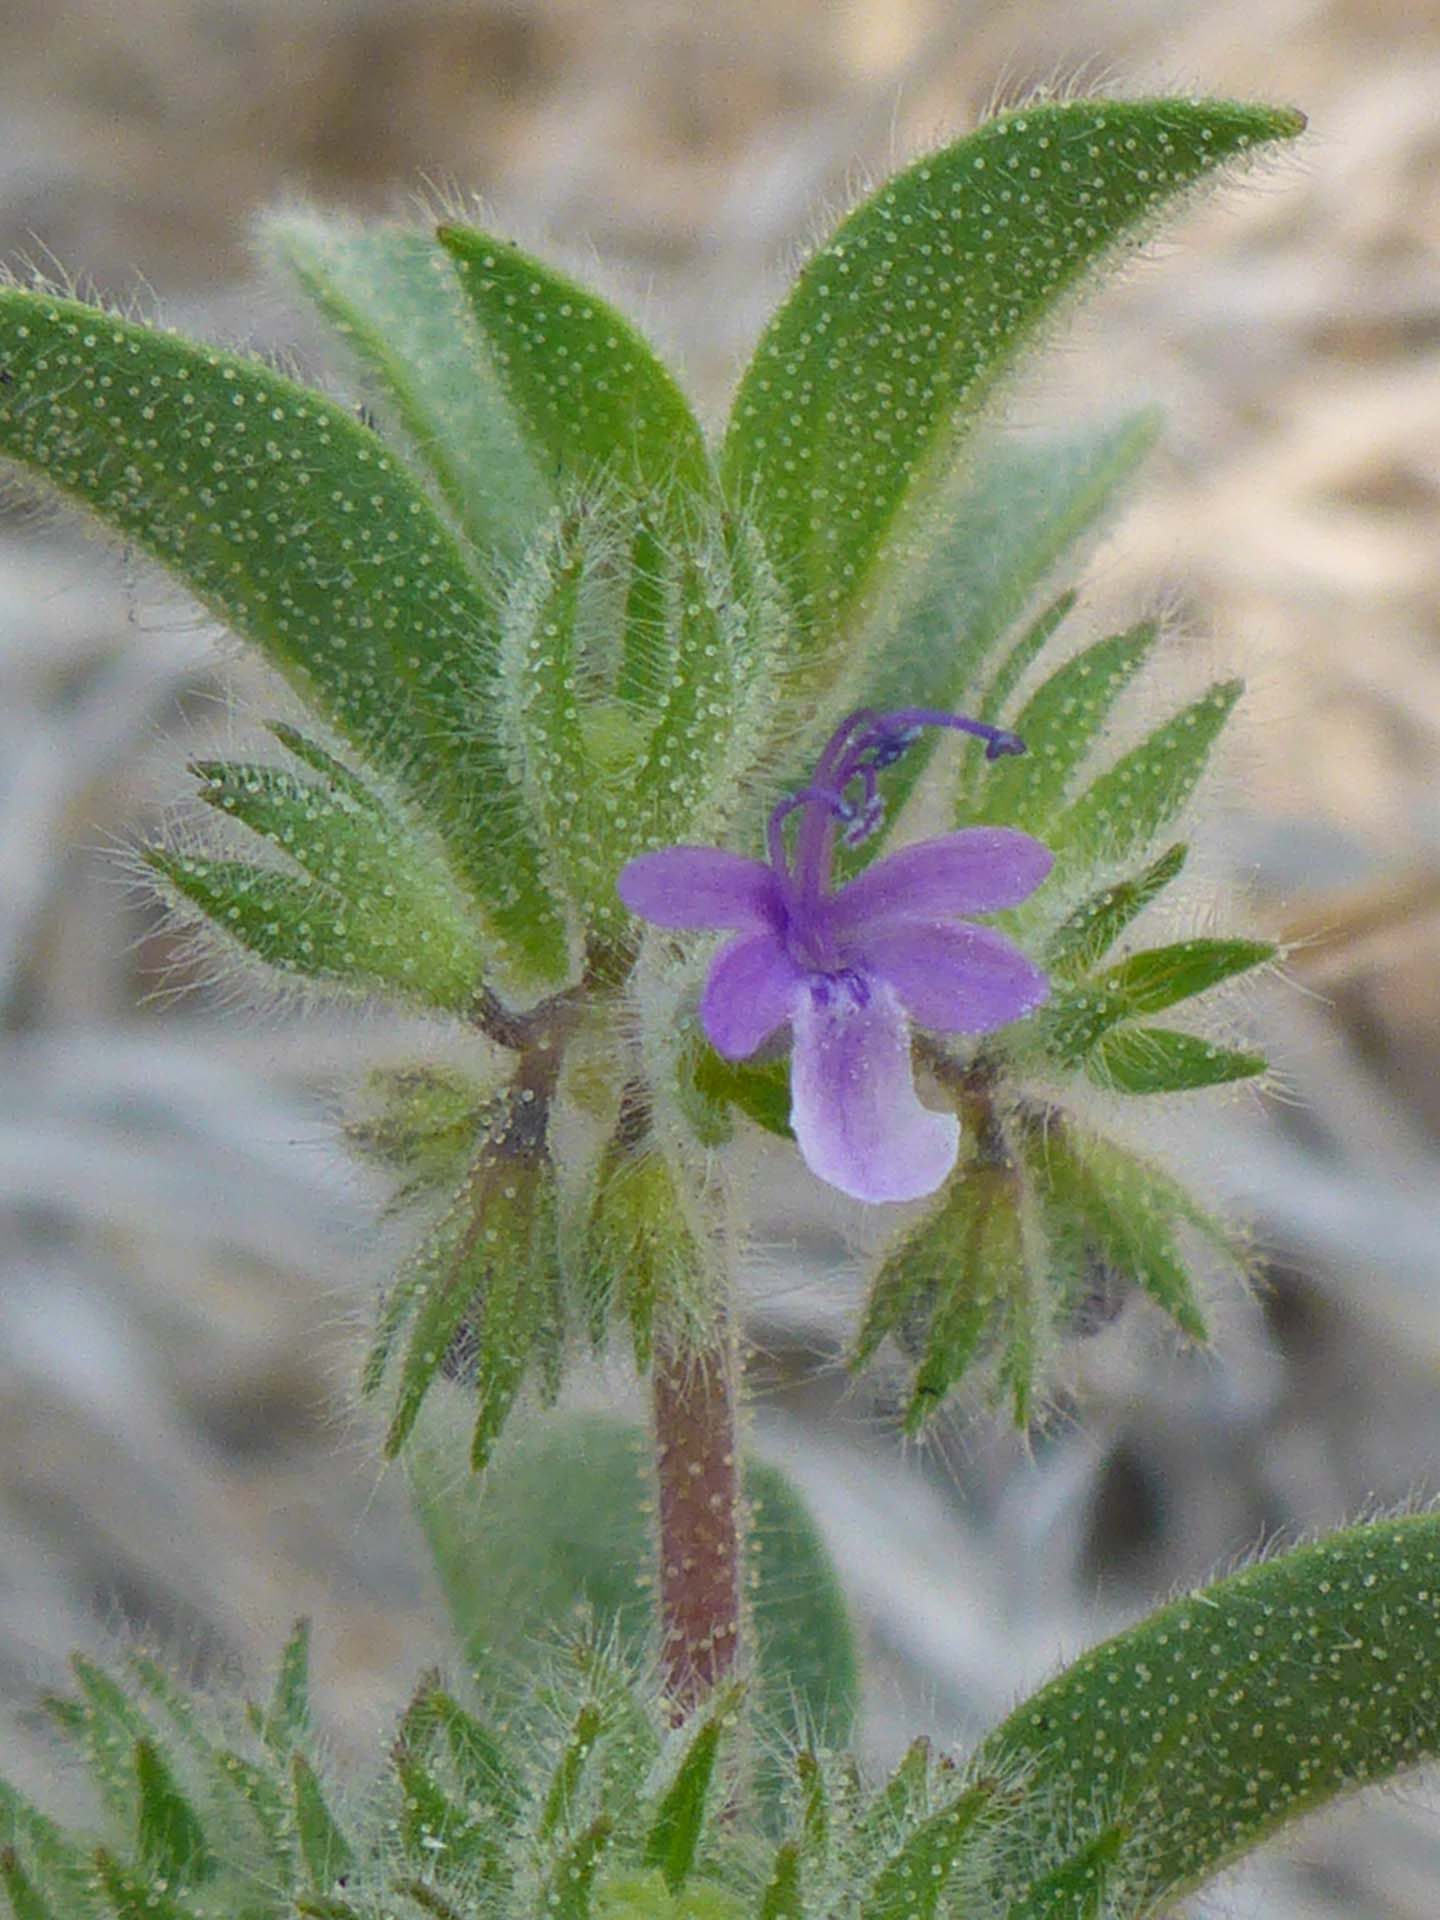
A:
(183, 1249)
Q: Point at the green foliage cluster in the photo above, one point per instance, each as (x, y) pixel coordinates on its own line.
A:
(1132, 1778)
(541, 623)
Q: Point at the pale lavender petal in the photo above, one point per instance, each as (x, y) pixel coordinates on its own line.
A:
(853, 1104)
(977, 870)
(701, 887)
(954, 978)
(752, 987)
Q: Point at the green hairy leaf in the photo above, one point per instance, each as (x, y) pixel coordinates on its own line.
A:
(338, 568)
(389, 882)
(674, 1838)
(391, 294)
(323, 1847)
(1087, 934)
(1147, 982)
(1182, 1743)
(1160, 1060)
(1105, 1210)
(899, 330)
(310, 928)
(593, 399)
(1058, 724)
(25, 1902)
(560, 1520)
(1162, 977)
(605, 776)
(1132, 802)
(170, 1838)
(913, 1882)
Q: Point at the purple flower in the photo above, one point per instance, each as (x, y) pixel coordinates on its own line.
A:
(849, 970)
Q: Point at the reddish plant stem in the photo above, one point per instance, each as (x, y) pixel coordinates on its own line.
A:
(701, 1556)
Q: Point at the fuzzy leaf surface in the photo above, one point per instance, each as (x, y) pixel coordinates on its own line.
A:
(1227, 1714)
(295, 525)
(1087, 934)
(299, 926)
(391, 294)
(1073, 1021)
(594, 399)
(898, 331)
(1104, 1207)
(560, 1518)
(1058, 724)
(1163, 1060)
(1131, 803)
(394, 883)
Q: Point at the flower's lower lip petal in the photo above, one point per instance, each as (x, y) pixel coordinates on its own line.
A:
(751, 989)
(977, 870)
(955, 978)
(701, 887)
(854, 1109)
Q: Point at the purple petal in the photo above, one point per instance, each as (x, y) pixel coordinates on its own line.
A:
(954, 978)
(852, 1095)
(750, 992)
(701, 887)
(977, 870)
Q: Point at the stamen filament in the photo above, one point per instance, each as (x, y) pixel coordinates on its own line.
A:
(883, 739)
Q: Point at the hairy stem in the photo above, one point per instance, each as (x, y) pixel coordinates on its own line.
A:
(701, 1550)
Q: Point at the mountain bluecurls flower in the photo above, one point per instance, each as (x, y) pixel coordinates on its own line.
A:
(849, 970)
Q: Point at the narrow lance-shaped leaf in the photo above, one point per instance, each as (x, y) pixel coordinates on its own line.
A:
(1161, 977)
(592, 396)
(912, 1883)
(901, 327)
(391, 294)
(783, 1898)
(296, 525)
(1102, 1205)
(475, 1291)
(567, 1897)
(679, 1821)
(1087, 934)
(1059, 724)
(485, 1769)
(392, 881)
(1229, 1713)
(916, 1266)
(326, 1852)
(287, 1719)
(302, 927)
(1160, 1060)
(1146, 982)
(170, 1838)
(1132, 802)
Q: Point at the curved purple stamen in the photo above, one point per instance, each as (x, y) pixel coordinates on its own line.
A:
(883, 739)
